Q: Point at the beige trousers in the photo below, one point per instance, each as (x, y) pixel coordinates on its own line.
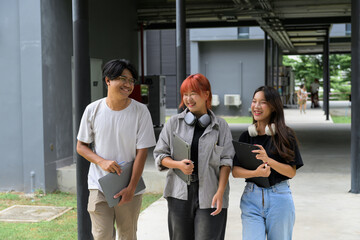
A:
(103, 217)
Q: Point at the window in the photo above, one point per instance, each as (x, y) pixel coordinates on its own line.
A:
(243, 32)
(348, 29)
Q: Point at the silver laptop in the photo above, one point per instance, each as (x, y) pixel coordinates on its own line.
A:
(182, 150)
(112, 183)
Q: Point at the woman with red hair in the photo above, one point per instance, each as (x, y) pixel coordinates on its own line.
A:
(197, 189)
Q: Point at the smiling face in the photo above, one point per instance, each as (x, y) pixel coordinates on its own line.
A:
(260, 108)
(196, 94)
(195, 102)
(122, 85)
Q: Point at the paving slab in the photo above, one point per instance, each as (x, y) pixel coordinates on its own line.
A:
(310, 116)
(30, 213)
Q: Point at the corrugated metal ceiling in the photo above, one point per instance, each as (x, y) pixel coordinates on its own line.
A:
(298, 26)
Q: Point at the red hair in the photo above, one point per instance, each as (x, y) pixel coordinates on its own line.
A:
(196, 83)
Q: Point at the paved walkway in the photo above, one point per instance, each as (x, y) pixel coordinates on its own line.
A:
(324, 208)
(293, 116)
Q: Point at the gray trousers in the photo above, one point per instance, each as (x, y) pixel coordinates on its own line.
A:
(188, 222)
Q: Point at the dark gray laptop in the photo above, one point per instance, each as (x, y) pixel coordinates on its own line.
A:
(112, 183)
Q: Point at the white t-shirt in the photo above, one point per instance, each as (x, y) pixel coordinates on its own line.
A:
(303, 94)
(116, 134)
(315, 87)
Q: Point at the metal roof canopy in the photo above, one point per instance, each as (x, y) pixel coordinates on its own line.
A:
(297, 26)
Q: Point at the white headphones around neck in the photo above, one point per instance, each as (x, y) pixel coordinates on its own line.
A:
(253, 132)
(203, 121)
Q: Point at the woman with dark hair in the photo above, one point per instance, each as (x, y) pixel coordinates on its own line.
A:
(197, 208)
(302, 98)
(269, 211)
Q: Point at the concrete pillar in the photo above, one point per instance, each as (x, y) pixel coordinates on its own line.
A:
(82, 99)
(355, 96)
(271, 75)
(180, 47)
(277, 66)
(266, 49)
(326, 75)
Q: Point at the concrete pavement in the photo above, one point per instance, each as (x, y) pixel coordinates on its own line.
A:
(324, 207)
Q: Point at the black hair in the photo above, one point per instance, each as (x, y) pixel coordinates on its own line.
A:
(114, 69)
(302, 85)
(285, 136)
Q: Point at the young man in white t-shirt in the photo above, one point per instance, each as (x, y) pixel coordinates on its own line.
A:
(314, 87)
(121, 131)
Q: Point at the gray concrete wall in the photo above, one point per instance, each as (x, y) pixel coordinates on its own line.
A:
(10, 98)
(160, 59)
(113, 30)
(338, 30)
(21, 124)
(232, 67)
(35, 71)
(213, 34)
(221, 34)
(56, 29)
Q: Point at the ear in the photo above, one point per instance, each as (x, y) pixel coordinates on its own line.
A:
(206, 94)
(107, 81)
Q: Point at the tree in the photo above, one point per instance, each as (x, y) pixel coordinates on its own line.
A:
(309, 67)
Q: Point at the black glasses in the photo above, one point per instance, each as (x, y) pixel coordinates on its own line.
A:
(123, 79)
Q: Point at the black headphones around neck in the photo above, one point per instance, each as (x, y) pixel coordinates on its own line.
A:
(203, 121)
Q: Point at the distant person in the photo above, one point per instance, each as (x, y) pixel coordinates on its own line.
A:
(269, 213)
(314, 89)
(302, 97)
(121, 131)
(199, 210)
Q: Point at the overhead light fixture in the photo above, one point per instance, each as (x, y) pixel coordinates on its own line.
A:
(304, 44)
(231, 18)
(305, 39)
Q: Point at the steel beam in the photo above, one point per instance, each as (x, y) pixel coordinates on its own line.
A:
(315, 20)
(277, 66)
(266, 55)
(205, 24)
(180, 47)
(326, 75)
(82, 99)
(271, 79)
(355, 97)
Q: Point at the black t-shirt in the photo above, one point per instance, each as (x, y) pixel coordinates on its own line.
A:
(198, 131)
(266, 142)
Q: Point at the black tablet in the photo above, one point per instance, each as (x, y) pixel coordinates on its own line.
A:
(246, 159)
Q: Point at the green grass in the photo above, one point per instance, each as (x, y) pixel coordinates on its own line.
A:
(63, 227)
(341, 119)
(238, 119)
(148, 199)
(9, 196)
(231, 119)
(336, 119)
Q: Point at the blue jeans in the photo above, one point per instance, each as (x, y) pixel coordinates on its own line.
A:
(267, 211)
